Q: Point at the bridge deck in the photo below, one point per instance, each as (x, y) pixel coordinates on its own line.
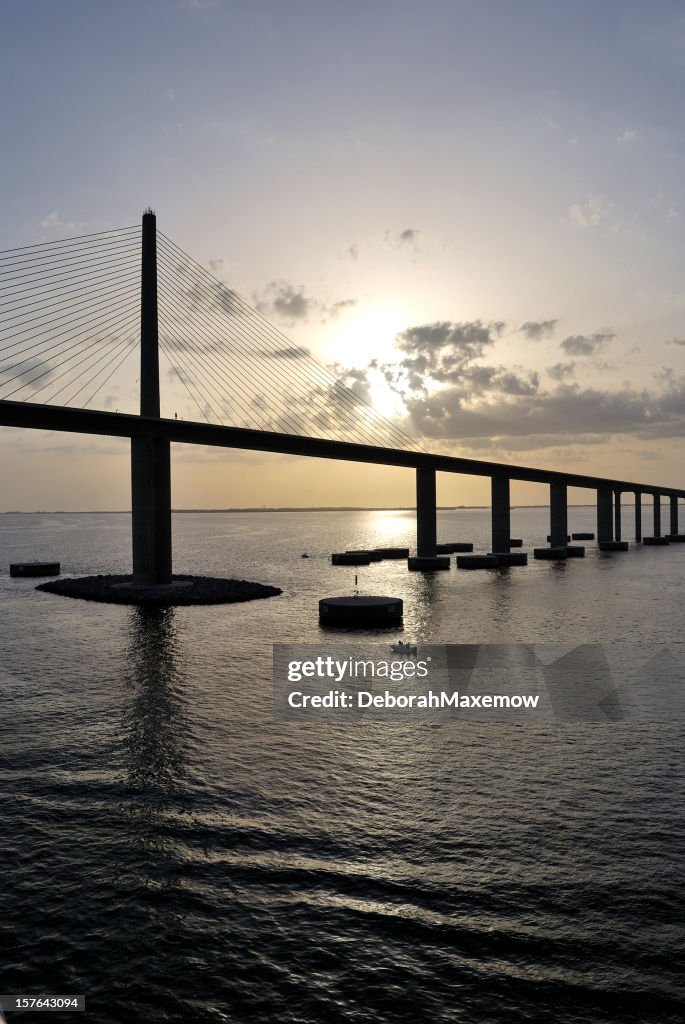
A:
(109, 424)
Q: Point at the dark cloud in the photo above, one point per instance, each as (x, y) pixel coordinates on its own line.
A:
(537, 329)
(28, 372)
(289, 352)
(204, 293)
(337, 307)
(353, 252)
(676, 341)
(409, 236)
(566, 413)
(444, 352)
(287, 302)
(560, 371)
(586, 344)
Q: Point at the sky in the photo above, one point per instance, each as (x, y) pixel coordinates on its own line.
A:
(470, 212)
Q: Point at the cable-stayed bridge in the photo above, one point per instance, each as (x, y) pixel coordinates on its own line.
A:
(80, 313)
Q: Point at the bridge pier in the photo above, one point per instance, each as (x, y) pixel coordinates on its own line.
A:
(427, 557)
(638, 516)
(150, 456)
(426, 513)
(605, 526)
(617, 515)
(501, 515)
(674, 514)
(656, 499)
(558, 515)
(151, 509)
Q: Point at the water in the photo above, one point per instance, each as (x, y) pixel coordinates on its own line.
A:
(175, 854)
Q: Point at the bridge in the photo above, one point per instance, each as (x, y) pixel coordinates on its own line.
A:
(70, 305)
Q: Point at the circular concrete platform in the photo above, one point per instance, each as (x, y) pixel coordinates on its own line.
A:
(360, 611)
(392, 552)
(658, 541)
(183, 590)
(582, 536)
(612, 545)
(453, 548)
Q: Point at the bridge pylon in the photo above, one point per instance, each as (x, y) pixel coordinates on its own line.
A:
(150, 456)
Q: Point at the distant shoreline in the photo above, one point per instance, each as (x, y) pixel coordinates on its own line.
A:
(263, 508)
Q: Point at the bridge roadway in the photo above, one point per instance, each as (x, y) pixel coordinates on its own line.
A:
(109, 424)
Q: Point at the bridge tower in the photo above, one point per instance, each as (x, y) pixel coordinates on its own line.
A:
(150, 456)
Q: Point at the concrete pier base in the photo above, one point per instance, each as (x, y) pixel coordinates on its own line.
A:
(425, 563)
(454, 548)
(373, 556)
(510, 557)
(612, 545)
(392, 552)
(575, 551)
(582, 536)
(655, 541)
(477, 561)
(551, 554)
(515, 542)
(676, 538)
(34, 569)
(350, 558)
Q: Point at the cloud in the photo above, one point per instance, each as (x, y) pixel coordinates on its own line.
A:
(537, 329)
(408, 237)
(566, 412)
(54, 222)
(628, 135)
(287, 302)
(32, 370)
(586, 344)
(290, 352)
(353, 252)
(560, 371)
(590, 214)
(676, 341)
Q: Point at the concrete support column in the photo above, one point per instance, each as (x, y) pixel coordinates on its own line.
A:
(674, 514)
(426, 513)
(657, 514)
(558, 515)
(501, 515)
(617, 515)
(151, 506)
(605, 526)
(638, 516)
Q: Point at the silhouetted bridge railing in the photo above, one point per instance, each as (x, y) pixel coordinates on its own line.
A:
(151, 436)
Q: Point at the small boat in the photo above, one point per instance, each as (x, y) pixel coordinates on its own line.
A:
(305, 555)
(402, 648)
